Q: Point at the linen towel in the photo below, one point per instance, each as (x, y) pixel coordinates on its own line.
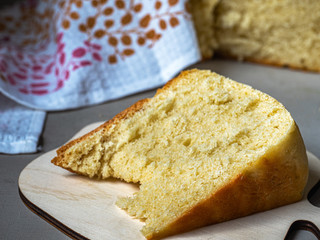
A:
(20, 127)
(59, 55)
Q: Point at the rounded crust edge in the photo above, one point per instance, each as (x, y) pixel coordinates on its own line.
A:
(267, 62)
(59, 160)
(277, 178)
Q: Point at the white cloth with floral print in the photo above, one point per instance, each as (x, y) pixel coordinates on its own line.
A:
(20, 127)
(59, 55)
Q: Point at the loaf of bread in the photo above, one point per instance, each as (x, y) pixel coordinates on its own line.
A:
(204, 149)
(277, 32)
(203, 18)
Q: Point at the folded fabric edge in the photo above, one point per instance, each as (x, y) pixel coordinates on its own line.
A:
(164, 75)
(19, 147)
(29, 143)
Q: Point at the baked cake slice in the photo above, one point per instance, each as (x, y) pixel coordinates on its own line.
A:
(204, 149)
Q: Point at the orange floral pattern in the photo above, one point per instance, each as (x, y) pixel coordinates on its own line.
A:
(32, 25)
(44, 43)
(121, 32)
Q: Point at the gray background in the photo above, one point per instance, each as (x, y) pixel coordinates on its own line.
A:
(298, 91)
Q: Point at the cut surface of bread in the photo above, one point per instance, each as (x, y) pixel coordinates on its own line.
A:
(276, 32)
(204, 149)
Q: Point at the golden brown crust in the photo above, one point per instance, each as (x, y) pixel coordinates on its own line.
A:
(60, 158)
(277, 179)
(280, 64)
(268, 62)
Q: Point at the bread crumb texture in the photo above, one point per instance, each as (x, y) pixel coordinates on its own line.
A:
(278, 32)
(204, 149)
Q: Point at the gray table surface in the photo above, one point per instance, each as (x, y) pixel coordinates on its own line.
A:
(298, 91)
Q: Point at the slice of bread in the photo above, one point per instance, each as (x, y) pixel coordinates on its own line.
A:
(277, 32)
(205, 149)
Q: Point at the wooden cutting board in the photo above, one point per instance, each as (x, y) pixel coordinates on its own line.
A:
(84, 208)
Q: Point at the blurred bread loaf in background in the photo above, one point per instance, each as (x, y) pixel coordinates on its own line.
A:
(276, 32)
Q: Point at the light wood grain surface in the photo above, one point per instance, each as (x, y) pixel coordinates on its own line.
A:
(87, 206)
